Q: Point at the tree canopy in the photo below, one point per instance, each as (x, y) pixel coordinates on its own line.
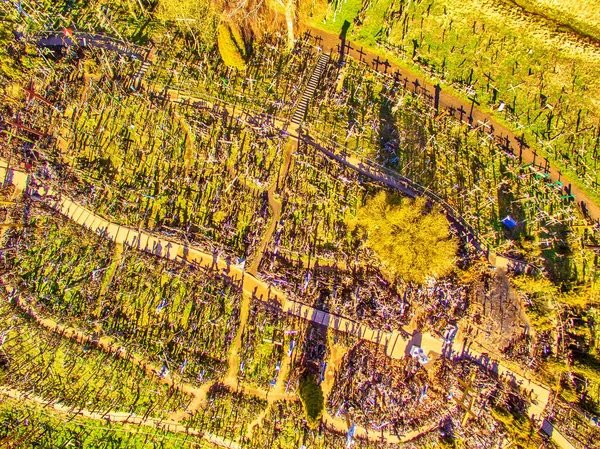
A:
(412, 240)
(231, 46)
(312, 399)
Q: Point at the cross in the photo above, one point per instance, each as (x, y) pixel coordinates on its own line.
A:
(507, 146)
(361, 53)
(473, 103)
(436, 101)
(514, 87)
(462, 112)
(387, 65)
(397, 77)
(522, 143)
(416, 84)
(31, 94)
(376, 62)
(19, 125)
(467, 399)
(11, 134)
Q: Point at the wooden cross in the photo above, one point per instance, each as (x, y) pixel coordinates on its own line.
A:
(474, 102)
(522, 143)
(489, 77)
(436, 101)
(387, 65)
(19, 125)
(31, 94)
(361, 53)
(11, 134)
(376, 63)
(416, 84)
(462, 112)
(467, 399)
(514, 87)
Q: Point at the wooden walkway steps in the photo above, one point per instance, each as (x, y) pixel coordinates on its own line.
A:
(313, 82)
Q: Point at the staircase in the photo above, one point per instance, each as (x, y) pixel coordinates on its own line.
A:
(137, 79)
(310, 90)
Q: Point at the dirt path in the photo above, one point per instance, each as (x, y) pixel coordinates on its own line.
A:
(104, 343)
(121, 417)
(274, 203)
(449, 100)
(395, 343)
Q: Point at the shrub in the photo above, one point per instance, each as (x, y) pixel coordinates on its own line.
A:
(312, 399)
(231, 46)
(413, 242)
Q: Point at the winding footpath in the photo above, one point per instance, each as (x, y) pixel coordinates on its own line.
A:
(122, 417)
(396, 344)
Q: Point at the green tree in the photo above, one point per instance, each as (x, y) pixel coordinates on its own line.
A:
(231, 46)
(411, 239)
(312, 399)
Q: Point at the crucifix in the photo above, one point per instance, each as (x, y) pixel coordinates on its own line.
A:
(522, 143)
(31, 94)
(387, 65)
(376, 62)
(361, 54)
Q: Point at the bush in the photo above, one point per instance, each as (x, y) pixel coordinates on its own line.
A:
(413, 242)
(231, 46)
(312, 399)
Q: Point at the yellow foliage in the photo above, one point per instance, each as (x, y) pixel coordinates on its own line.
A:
(196, 17)
(231, 46)
(414, 243)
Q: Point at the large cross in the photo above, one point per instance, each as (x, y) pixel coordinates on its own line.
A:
(522, 143)
(361, 53)
(467, 399)
(19, 125)
(376, 63)
(31, 94)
